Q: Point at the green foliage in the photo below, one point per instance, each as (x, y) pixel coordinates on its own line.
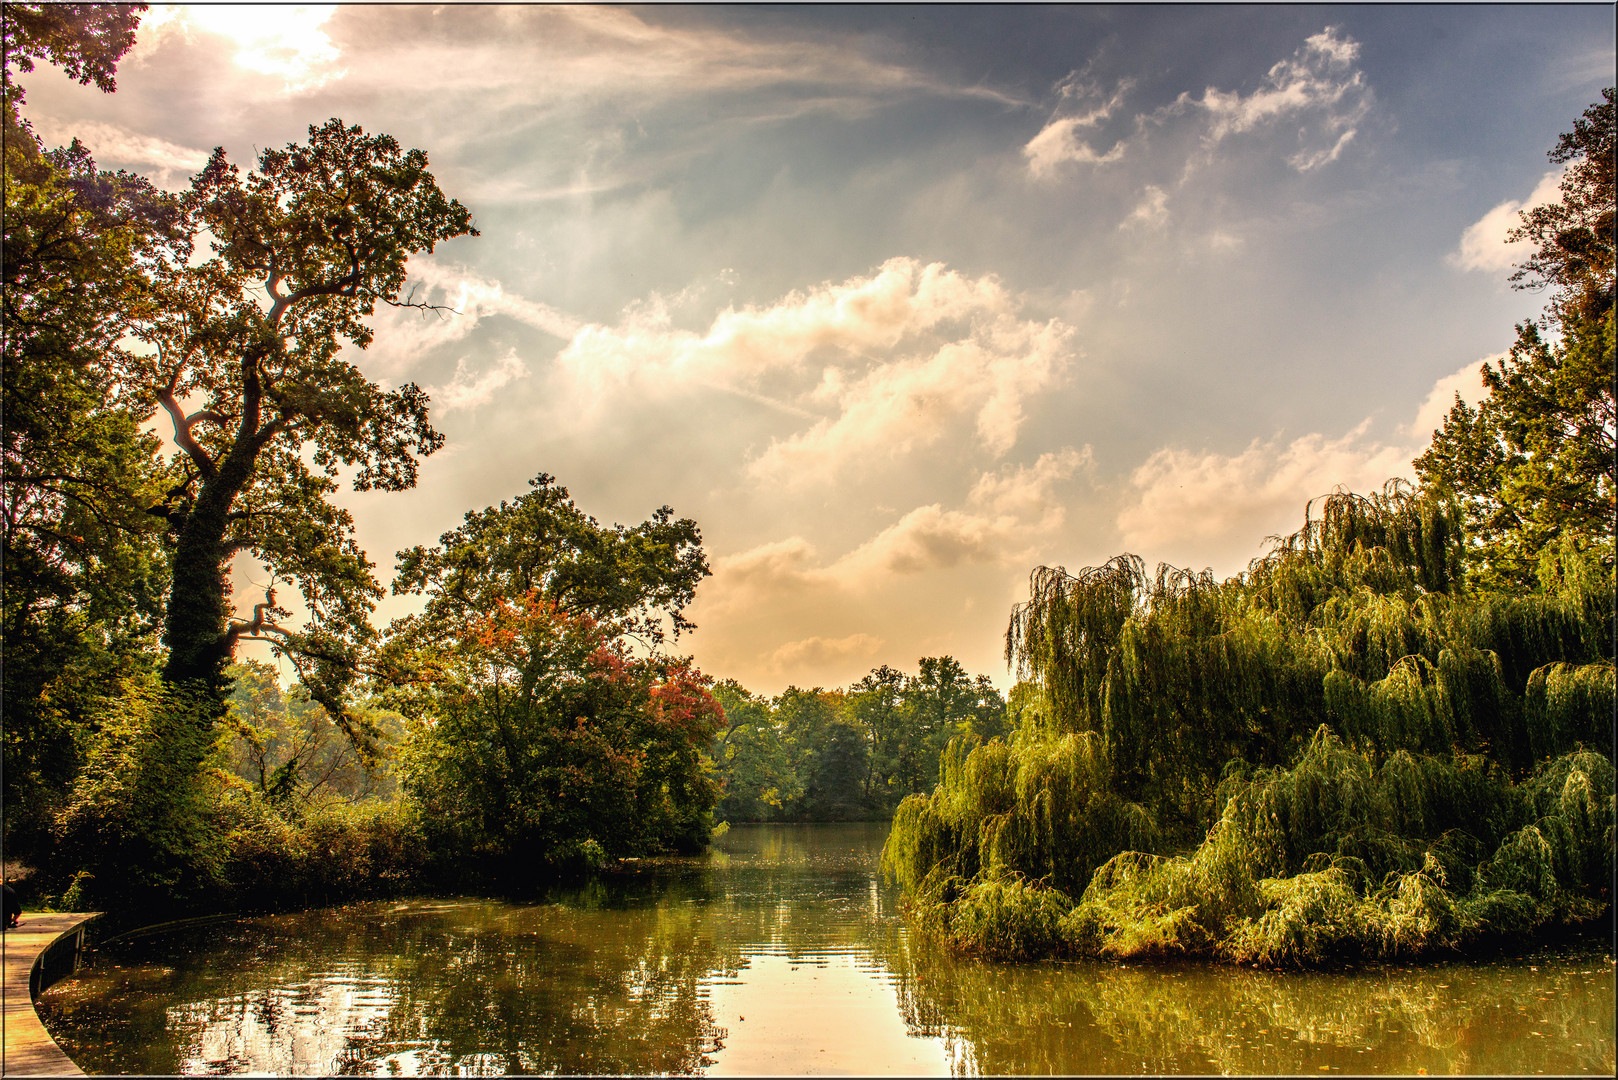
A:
(285, 747)
(1039, 806)
(536, 733)
(85, 572)
(837, 755)
(334, 851)
(754, 766)
(535, 729)
(84, 40)
(827, 750)
(543, 543)
(137, 826)
(1573, 237)
(1006, 918)
(1341, 752)
(1534, 464)
(322, 231)
(1392, 869)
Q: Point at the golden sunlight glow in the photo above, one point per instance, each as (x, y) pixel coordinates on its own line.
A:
(272, 39)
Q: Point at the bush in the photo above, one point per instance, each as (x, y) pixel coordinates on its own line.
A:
(137, 829)
(1341, 752)
(334, 852)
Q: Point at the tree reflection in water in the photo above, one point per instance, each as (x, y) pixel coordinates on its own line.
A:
(1503, 1017)
(650, 970)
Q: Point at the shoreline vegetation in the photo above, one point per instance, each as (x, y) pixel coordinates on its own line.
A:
(1338, 754)
(1390, 737)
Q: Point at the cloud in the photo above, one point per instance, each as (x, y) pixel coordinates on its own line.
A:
(1467, 382)
(1217, 508)
(882, 364)
(1187, 500)
(901, 405)
(817, 652)
(605, 49)
(1305, 160)
(1059, 140)
(1318, 88)
(405, 335)
(468, 391)
(610, 82)
(283, 40)
(1027, 491)
(168, 164)
(1484, 245)
(1152, 212)
(780, 566)
(1005, 516)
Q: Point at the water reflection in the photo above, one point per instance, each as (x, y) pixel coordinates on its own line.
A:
(781, 954)
(1551, 1013)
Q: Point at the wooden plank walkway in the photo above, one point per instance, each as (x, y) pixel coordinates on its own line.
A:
(28, 1048)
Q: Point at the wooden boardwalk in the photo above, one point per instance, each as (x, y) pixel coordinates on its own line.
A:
(28, 1048)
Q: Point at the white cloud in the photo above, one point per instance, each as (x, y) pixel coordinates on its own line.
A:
(467, 390)
(1006, 515)
(1153, 210)
(283, 40)
(1318, 88)
(1484, 245)
(613, 49)
(501, 71)
(780, 566)
(1059, 140)
(1187, 500)
(168, 164)
(1217, 508)
(905, 404)
(1027, 490)
(902, 358)
(818, 652)
(1468, 382)
(405, 335)
(1305, 160)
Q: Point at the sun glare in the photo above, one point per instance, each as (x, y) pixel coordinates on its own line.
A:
(272, 39)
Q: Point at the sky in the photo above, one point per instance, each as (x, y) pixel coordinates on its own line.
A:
(901, 302)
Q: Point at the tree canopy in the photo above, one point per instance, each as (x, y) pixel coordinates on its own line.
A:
(86, 573)
(1390, 736)
(1537, 460)
(1573, 237)
(542, 542)
(323, 231)
(831, 755)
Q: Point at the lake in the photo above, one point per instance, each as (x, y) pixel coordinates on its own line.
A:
(783, 951)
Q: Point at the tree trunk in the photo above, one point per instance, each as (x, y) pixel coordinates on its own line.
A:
(195, 628)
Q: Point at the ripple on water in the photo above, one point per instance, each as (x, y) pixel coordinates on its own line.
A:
(787, 956)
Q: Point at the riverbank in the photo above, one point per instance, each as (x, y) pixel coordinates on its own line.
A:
(783, 952)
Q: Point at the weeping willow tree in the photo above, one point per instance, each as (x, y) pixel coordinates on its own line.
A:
(1341, 751)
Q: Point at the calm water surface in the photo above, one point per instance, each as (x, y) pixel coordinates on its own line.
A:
(782, 952)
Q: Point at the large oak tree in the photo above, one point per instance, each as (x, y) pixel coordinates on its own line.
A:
(247, 358)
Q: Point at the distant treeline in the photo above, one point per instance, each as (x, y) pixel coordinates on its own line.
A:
(840, 755)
